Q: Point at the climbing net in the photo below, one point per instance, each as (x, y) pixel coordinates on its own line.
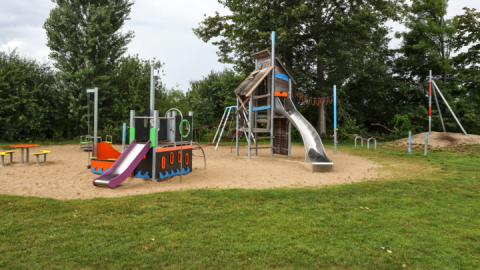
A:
(313, 100)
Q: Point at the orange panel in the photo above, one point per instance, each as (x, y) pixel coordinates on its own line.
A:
(106, 151)
(281, 94)
(167, 149)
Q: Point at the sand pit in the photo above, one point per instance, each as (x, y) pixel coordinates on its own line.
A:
(65, 175)
(440, 139)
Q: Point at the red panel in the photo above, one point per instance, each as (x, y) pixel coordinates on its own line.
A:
(430, 89)
(430, 111)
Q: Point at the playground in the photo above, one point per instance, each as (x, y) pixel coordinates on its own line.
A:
(224, 170)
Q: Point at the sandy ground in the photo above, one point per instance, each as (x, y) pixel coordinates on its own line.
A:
(440, 139)
(65, 174)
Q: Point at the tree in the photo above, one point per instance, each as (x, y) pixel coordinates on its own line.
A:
(30, 104)
(86, 43)
(323, 42)
(210, 96)
(428, 42)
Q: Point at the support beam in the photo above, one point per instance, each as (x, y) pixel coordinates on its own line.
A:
(430, 103)
(272, 99)
(448, 106)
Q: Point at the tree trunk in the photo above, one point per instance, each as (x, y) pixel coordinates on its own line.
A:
(322, 126)
(320, 79)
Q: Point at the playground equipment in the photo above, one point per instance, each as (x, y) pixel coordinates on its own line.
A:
(160, 147)
(431, 82)
(267, 96)
(86, 141)
(368, 143)
(223, 122)
(358, 137)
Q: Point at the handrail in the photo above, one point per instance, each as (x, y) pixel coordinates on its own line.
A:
(204, 158)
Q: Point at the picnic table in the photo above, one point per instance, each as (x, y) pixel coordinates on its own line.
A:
(24, 146)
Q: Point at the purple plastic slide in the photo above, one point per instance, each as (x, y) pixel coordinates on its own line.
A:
(123, 166)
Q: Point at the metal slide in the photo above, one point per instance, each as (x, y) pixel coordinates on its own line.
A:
(124, 166)
(313, 144)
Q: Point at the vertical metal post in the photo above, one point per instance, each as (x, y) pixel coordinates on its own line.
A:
(174, 127)
(154, 148)
(250, 128)
(169, 126)
(237, 117)
(448, 106)
(152, 90)
(95, 121)
(124, 136)
(272, 99)
(190, 113)
(409, 142)
(430, 103)
(289, 123)
(335, 118)
(426, 143)
(438, 109)
(88, 113)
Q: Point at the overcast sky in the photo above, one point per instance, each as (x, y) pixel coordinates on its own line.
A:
(163, 29)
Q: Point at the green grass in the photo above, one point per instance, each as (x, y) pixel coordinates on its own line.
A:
(427, 214)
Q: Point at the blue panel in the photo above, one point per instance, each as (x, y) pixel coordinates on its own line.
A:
(281, 76)
(139, 174)
(261, 108)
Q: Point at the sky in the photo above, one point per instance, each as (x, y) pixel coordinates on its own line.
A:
(163, 30)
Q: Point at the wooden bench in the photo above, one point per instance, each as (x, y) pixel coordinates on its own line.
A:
(44, 153)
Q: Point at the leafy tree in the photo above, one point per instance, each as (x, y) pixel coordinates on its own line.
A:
(29, 101)
(323, 42)
(428, 42)
(87, 44)
(210, 96)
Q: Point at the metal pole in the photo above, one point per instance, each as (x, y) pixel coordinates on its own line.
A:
(174, 123)
(220, 124)
(237, 130)
(335, 118)
(430, 103)
(155, 144)
(169, 126)
(272, 99)
(426, 143)
(124, 136)
(250, 129)
(438, 108)
(190, 113)
(95, 120)
(181, 146)
(152, 90)
(448, 106)
(88, 113)
(290, 123)
(409, 142)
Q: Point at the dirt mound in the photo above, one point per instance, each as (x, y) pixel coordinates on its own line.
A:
(440, 140)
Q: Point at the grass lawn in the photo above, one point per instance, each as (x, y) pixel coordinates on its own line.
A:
(425, 215)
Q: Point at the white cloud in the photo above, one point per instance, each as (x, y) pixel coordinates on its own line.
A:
(163, 30)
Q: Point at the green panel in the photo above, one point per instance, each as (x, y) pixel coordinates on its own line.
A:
(112, 159)
(153, 139)
(93, 157)
(132, 134)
